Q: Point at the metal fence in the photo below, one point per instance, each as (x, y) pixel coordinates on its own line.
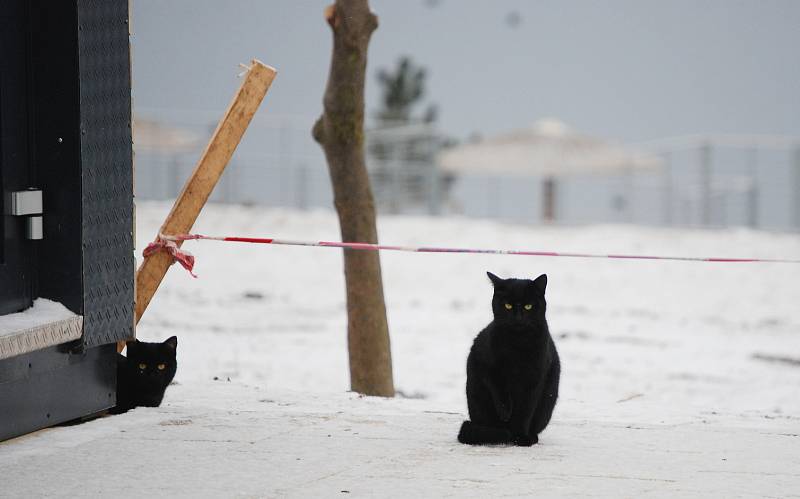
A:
(712, 181)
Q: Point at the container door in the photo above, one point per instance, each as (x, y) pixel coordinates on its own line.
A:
(16, 252)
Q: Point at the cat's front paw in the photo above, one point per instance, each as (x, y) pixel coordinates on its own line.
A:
(525, 440)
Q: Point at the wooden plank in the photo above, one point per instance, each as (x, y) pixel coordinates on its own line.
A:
(205, 176)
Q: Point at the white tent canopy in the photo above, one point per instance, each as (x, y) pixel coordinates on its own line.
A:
(549, 149)
(153, 136)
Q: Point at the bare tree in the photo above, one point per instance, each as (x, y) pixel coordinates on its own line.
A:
(340, 132)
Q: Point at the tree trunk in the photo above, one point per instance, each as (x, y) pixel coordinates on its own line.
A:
(340, 132)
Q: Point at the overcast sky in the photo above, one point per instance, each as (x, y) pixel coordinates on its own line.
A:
(625, 69)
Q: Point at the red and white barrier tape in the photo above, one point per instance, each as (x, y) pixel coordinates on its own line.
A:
(168, 242)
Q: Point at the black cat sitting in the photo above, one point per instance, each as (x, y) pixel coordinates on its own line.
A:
(143, 376)
(513, 368)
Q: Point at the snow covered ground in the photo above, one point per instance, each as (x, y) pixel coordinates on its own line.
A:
(665, 390)
(673, 337)
(223, 439)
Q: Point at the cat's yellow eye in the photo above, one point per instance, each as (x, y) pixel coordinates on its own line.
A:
(528, 306)
(509, 306)
(161, 367)
(142, 366)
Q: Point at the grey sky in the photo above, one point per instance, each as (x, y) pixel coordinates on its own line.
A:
(632, 69)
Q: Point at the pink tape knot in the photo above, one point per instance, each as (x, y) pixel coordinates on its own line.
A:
(166, 243)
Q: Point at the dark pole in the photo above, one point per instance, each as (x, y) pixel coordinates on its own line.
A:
(667, 188)
(705, 181)
(752, 193)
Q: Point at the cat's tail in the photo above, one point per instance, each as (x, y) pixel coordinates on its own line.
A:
(475, 434)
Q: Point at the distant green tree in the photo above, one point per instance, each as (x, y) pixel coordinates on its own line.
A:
(402, 88)
(403, 150)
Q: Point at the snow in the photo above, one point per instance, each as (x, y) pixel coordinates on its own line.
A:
(661, 394)
(682, 334)
(223, 439)
(42, 312)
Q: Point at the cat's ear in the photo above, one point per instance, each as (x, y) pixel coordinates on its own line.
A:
(495, 280)
(540, 283)
(172, 342)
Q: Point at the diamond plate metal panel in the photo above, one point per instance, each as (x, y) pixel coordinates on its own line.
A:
(46, 335)
(106, 169)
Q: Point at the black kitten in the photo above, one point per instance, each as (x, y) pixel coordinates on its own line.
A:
(143, 376)
(513, 368)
